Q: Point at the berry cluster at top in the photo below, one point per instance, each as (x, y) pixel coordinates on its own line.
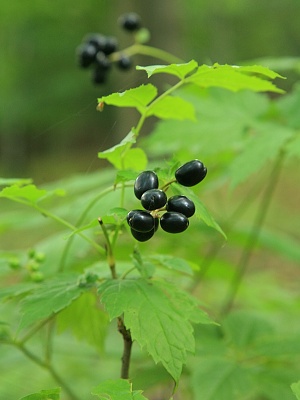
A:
(176, 210)
(100, 51)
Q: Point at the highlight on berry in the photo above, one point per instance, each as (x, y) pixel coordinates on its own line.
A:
(172, 214)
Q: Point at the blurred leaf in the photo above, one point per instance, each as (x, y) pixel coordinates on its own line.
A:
(138, 97)
(158, 316)
(85, 319)
(232, 78)
(117, 389)
(171, 107)
(171, 263)
(263, 146)
(296, 389)
(179, 70)
(16, 290)
(14, 181)
(50, 297)
(293, 147)
(29, 193)
(50, 394)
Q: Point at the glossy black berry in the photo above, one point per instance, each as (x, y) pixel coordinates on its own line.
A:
(141, 221)
(142, 236)
(145, 181)
(153, 199)
(96, 39)
(110, 45)
(174, 222)
(124, 62)
(86, 54)
(181, 204)
(130, 22)
(191, 173)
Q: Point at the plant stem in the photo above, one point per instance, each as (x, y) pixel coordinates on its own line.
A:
(49, 368)
(127, 341)
(109, 250)
(253, 236)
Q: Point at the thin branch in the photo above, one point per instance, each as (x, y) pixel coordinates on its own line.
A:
(109, 250)
(127, 341)
(253, 236)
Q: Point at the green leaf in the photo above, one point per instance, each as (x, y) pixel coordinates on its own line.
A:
(293, 147)
(179, 70)
(135, 159)
(115, 215)
(171, 263)
(263, 146)
(28, 193)
(16, 290)
(233, 78)
(125, 175)
(201, 212)
(85, 320)
(296, 389)
(50, 394)
(14, 181)
(260, 70)
(116, 153)
(145, 268)
(49, 298)
(159, 317)
(171, 107)
(117, 389)
(138, 97)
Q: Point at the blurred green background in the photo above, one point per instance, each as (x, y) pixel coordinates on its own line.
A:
(49, 126)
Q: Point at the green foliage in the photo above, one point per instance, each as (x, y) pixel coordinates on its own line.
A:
(296, 389)
(93, 272)
(51, 394)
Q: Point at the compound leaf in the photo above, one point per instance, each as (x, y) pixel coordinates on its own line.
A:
(159, 317)
(138, 97)
(49, 298)
(179, 70)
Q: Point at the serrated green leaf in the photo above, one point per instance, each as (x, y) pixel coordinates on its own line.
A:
(117, 389)
(296, 389)
(49, 394)
(158, 316)
(16, 290)
(116, 153)
(260, 70)
(29, 193)
(49, 298)
(171, 107)
(179, 70)
(201, 212)
(264, 146)
(138, 97)
(85, 320)
(231, 78)
(172, 263)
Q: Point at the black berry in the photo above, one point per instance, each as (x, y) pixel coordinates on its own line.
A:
(141, 221)
(110, 45)
(124, 62)
(130, 22)
(174, 222)
(145, 181)
(153, 199)
(102, 62)
(191, 173)
(86, 54)
(99, 75)
(182, 205)
(142, 236)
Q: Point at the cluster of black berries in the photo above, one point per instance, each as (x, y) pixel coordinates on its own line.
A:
(100, 51)
(176, 210)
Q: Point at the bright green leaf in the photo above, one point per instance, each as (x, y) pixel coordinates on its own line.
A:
(260, 70)
(135, 159)
(296, 389)
(263, 146)
(28, 193)
(117, 389)
(85, 320)
(50, 394)
(50, 297)
(115, 215)
(231, 78)
(179, 70)
(201, 212)
(171, 107)
(125, 176)
(293, 147)
(158, 315)
(138, 97)
(116, 153)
